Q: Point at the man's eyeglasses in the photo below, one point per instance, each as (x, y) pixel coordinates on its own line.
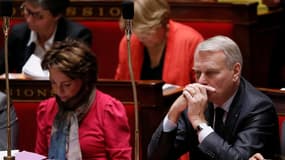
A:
(28, 12)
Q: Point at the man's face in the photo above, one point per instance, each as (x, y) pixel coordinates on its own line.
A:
(211, 69)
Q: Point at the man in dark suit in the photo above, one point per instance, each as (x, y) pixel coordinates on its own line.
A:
(44, 25)
(3, 124)
(248, 123)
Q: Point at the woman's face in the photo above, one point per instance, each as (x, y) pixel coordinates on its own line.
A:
(64, 87)
(38, 19)
(152, 37)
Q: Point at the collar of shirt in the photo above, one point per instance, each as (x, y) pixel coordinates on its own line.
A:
(227, 104)
(34, 38)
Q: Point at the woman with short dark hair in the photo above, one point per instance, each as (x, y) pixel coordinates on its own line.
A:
(79, 122)
(44, 24)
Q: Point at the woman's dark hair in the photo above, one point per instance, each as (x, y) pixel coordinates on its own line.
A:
(56, 7)
(73, 58)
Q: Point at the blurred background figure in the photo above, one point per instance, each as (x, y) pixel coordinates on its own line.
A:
(44, 24)
(3, 124)
(161, 48)
(80, 122)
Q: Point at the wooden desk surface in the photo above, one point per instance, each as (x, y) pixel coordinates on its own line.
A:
(150, 92)
(23, 89)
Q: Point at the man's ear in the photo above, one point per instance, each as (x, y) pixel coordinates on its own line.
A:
(237, 71)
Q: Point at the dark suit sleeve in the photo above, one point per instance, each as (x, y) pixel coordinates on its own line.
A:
(86, 36)
(256, 132)
(18, 38)
(3, 124)
(171, 145)
(160, 144)
(73, 30)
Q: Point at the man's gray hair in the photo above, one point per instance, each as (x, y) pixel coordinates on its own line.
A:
(225, 44)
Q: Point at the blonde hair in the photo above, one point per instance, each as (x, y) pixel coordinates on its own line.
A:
(149, 14)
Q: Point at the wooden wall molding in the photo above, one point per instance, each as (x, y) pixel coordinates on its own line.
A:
(180, 10)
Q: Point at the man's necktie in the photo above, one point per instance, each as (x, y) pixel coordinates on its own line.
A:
(219, 124)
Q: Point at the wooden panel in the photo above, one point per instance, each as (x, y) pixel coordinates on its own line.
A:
(180, 10)
(278, 98)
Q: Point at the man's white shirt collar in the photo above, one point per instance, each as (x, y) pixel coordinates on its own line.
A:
(227, 104)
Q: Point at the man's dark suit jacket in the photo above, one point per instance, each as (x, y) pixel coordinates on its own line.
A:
(19, 37)
(3, 124)
(251, 126)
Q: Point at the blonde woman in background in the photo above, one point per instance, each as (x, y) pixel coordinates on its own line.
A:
(161, 48)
